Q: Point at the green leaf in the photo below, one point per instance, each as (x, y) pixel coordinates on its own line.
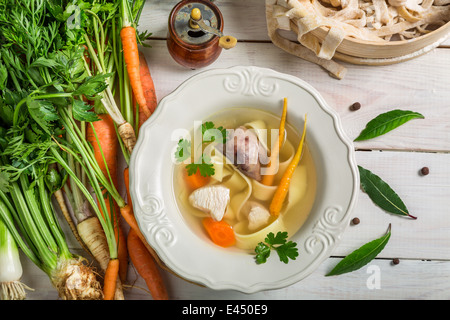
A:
(93, 85)
(386, 122)
(81, 111)
(210, 132)
(285, 250)
(3, 76)
(44, 62)
(262, 252)
(362, 256)
(206, 169)
(183, 151)
(280, 238)
(4, 181)
(381, 193)
(43, 112)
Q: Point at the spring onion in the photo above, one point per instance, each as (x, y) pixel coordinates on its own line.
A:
(11, 288)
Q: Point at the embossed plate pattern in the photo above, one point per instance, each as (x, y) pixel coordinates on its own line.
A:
(151, 176)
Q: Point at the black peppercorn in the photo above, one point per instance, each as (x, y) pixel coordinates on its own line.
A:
(355, 106)
(396, 261)
(424, 171)
(355, 221)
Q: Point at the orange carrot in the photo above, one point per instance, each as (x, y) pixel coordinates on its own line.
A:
(105, 152)
(268, 178)
(283, 187)
(126, 180)
(220, 232)
(146, 267)
(109, 146)
(131, 56)
(195, 181)
(148, 87)
(111, 274)
(128, 214)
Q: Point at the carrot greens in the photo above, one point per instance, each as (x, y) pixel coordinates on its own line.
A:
(57, 72)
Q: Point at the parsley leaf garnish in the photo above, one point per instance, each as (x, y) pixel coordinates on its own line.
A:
(209, 132)
(285, 249)
(183, 151)
(204, 165)
(206, 168)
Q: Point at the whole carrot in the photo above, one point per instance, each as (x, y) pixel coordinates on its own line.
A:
(128, 214)
(103, 138)
(131, 57)
(146, 267)
(283, 187)
(148, 87)
(111, 274)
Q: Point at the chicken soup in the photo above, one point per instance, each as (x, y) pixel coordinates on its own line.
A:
(226, 183)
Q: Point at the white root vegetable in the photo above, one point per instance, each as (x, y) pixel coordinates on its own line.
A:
(93, 236)
(11, 288)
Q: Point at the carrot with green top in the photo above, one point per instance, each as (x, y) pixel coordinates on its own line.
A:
(102, 136)
(282, 190)
(131, 56)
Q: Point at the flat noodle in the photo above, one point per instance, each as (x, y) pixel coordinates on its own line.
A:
(284, 23)
(246, 192)
(371, 20)
(289, 220)
(393, 17)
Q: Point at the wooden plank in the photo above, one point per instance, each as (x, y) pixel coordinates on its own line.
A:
(380, 279)
(378, 89)
(420, 85)
(245, 20)
(426, 197)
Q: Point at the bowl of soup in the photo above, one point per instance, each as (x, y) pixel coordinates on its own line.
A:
(238, 161)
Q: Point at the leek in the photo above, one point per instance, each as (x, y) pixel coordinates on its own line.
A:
(27, 212)
(11, 288)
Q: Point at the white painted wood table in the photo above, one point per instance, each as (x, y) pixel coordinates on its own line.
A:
(421, 84)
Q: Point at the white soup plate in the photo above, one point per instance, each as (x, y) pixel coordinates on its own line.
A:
(152, 189)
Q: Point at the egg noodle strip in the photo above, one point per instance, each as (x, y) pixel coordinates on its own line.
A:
(371, 20)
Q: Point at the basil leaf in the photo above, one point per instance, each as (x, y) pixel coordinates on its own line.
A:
(362, 256)
(381, 193)
(386, 122)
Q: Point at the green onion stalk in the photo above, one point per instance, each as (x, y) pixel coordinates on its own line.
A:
(27, 211)
(11, 287)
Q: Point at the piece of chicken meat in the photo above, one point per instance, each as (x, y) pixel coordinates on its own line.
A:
(211, 199)
(243, 149)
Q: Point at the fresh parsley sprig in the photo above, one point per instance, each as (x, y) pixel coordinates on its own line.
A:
(285, 249)
(204, 165)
